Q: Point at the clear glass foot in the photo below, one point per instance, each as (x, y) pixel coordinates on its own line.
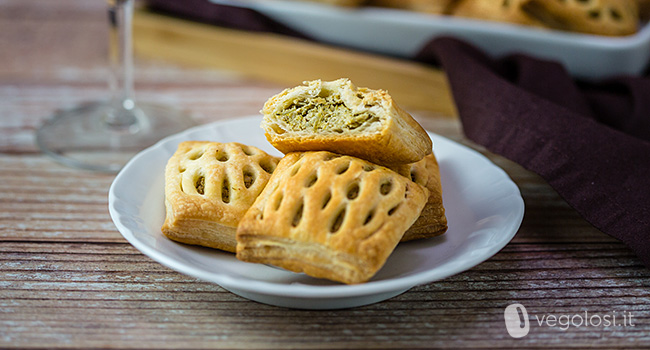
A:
(94, 137)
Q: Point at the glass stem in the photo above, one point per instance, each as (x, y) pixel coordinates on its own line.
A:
(120, 13)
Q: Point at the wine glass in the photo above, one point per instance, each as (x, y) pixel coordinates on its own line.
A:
(104, 135)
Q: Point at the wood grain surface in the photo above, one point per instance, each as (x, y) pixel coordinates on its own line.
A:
(69, 280)
(288, 61)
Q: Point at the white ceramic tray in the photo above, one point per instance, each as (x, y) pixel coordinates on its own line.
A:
(484, 210)
(403, 33)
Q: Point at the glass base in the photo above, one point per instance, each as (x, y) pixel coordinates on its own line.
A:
(87, 137)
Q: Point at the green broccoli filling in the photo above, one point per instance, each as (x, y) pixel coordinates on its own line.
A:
(323, 114)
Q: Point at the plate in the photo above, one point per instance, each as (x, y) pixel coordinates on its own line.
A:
(403, 33)
(484, 210)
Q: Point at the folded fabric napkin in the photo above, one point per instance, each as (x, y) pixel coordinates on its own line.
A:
(590, 142)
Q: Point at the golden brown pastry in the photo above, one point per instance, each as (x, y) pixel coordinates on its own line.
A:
(337, 116)
(209, 186)
(600, 17)
(329, 216)
(432, 221)
(348, 3)
(428, 6)
(495, 10)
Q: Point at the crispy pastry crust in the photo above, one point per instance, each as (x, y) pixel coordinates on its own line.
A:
(349, 3)
(501, 11)
(209, 186)
(329, 216)
(337, 116)
(600, 17)
(441, 7)
(432, 221)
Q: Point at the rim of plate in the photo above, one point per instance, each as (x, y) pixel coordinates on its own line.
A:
(310, 291)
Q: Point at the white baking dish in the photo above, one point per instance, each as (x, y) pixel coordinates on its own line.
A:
(403, 33)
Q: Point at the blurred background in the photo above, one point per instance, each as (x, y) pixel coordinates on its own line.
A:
(197, 54)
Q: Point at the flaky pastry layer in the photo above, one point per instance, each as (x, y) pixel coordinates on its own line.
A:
(209, 186)
(432, 221)
(337, 116)
(600, 17)
(329, 216)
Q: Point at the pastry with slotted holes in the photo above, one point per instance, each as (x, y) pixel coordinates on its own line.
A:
(432, 221)
(209, 186)
(600, 17)
(337, 116)
(508, 11)
(330, 216)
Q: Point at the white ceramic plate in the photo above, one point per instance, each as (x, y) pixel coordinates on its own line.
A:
(484, 209)
(403, 33)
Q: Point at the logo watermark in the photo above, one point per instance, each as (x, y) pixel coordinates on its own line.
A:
(518, 321)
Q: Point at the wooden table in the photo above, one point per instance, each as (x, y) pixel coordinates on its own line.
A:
(69, 280)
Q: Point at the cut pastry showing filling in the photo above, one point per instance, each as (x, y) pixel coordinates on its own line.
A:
(337, 116)
(209, 186)
(325, 115)
(329, 216)
(432, 221)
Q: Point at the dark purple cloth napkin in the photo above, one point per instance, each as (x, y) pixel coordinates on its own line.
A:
(589, 141)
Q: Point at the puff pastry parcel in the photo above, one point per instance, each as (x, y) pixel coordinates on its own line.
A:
(501, 11)
(428, 6)
(329, 216)
(351, 3)
(600, 17)
(337, 116)
(209, 186)
(432, 221)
